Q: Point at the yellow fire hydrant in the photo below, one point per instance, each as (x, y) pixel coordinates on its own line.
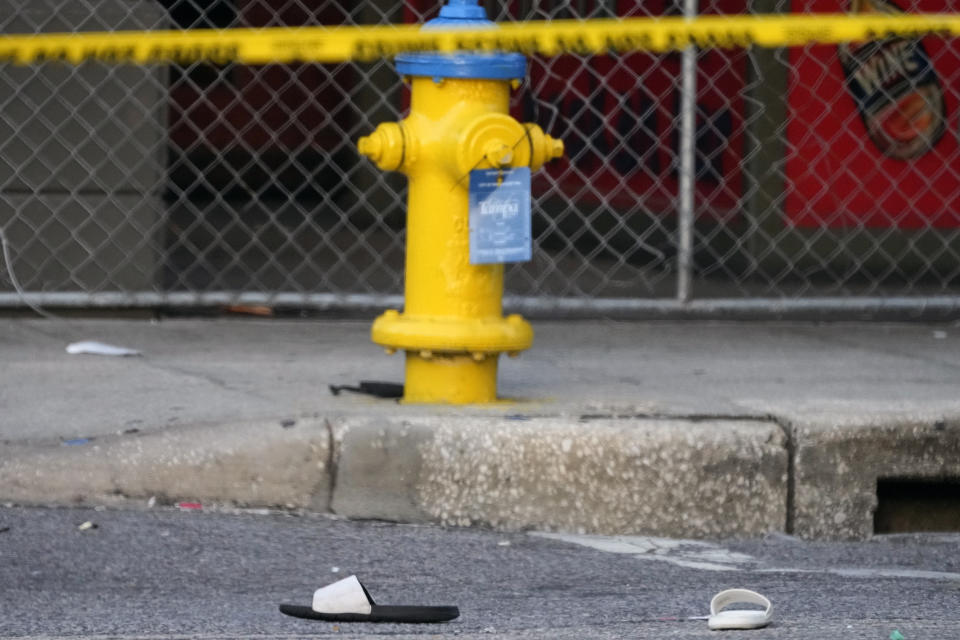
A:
(452, 328)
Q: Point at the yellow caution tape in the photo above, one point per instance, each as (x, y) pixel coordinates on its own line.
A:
(339, 44)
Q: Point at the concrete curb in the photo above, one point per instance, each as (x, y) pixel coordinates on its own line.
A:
(677, 477)
(716, 478)
(838, 463)
(254, 463)
(682, 478)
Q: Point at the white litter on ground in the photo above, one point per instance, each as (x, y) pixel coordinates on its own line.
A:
(99, 349)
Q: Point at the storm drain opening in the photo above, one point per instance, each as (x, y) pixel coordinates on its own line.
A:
(911, 505)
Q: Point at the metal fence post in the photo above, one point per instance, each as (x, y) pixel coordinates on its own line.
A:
(688, 125)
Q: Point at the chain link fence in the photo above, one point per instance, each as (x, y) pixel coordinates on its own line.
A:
(761, 180)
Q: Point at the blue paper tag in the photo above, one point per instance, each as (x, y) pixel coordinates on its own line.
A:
(500, 221)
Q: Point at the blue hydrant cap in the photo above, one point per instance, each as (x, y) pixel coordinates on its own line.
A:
(493, 66)
(463, 10)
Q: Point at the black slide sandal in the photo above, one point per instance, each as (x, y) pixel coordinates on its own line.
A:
(348, 601)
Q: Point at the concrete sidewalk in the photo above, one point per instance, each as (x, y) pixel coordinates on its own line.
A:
(681, 429)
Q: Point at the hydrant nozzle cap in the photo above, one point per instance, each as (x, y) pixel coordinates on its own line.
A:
(385, 146)
(557, 149)
(369, 146)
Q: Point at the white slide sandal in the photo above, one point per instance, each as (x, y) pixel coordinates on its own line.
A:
(349, 601)
(739, 618)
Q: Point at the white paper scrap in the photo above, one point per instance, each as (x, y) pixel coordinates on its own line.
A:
(99, 349)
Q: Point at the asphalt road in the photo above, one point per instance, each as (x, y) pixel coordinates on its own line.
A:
(164, 573)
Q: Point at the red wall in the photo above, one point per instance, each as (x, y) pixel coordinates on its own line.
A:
(836, 176)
